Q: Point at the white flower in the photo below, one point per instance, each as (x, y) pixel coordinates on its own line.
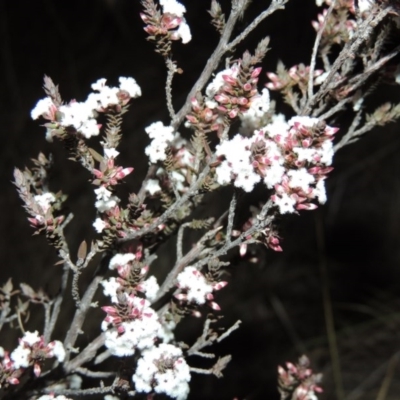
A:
(111, 286)
(184, 32)
(150, 288)
(20, 356)
(300, 179)
(89, 128)
(246, 179)
(274, 175)
(42, 108)
(30, 338)
(44, 200)
(364, 5)
(130, 86)
(173, 7)
(121, 260)
(320, 192)
(111, 153)
(224, 172)
(157, 130)
(99, 84)
(105, 199)
(278, 126)
(164, 370)
(57, 350)
(152, 186)
(195, 284)
(108, 96)
(285, 203)
(53, 397)
(75, 114)
(254, 117)
(99, 225)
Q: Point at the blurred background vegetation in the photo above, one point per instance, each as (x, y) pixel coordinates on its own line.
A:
(351, 244)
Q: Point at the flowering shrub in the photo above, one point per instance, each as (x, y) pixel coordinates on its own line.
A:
(229, 133)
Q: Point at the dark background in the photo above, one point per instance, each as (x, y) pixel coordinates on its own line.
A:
(279, 301)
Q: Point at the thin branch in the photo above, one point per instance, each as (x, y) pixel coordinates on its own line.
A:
(231, 217)
(171, 71)
(94, 374)
(49, 327)
(274, 6)
(86, 355)
(315, 50)
(80, 315)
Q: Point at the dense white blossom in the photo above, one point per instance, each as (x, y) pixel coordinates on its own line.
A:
(152, 186)
(184, 32)
(105, 200)
(139, 333)
(150, 288)
(111, 153)
(254, 117)
(162, 136)
(121, 260)
(173, 7)
(130, 86)
(163, 369)
(110, 287)
(44, 200)
(195, 285)
(42, 108)
(99, 225)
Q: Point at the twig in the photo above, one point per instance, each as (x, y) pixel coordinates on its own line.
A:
(315, 50)
(171, 71)
(49, 328)
(231, 217)
(274, 6)
(86, 355)
(80, 315)
(94, 374)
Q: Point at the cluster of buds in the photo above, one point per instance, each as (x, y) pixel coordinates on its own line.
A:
(307, 150)
(202, 118)
(131, 277)
(298, 75)
(195, 289)
(238, 90)
(268, 236)
(339, 27)
(9, 374)
(298, 382)
(42, 206)
(166, 26)
(109, 174)
(31, 352)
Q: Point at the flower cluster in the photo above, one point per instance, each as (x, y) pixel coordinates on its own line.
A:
(292, 158)
(166, 26)
(80, 117)
(31, 352)
(298, 382)
(195, 288)
(163, 369)
(131, 277)
(161, 136)
(130, 323)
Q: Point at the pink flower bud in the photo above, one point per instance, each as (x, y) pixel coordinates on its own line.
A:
(215, 306)
(222, 98)
(256, 72)
(37, 370)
